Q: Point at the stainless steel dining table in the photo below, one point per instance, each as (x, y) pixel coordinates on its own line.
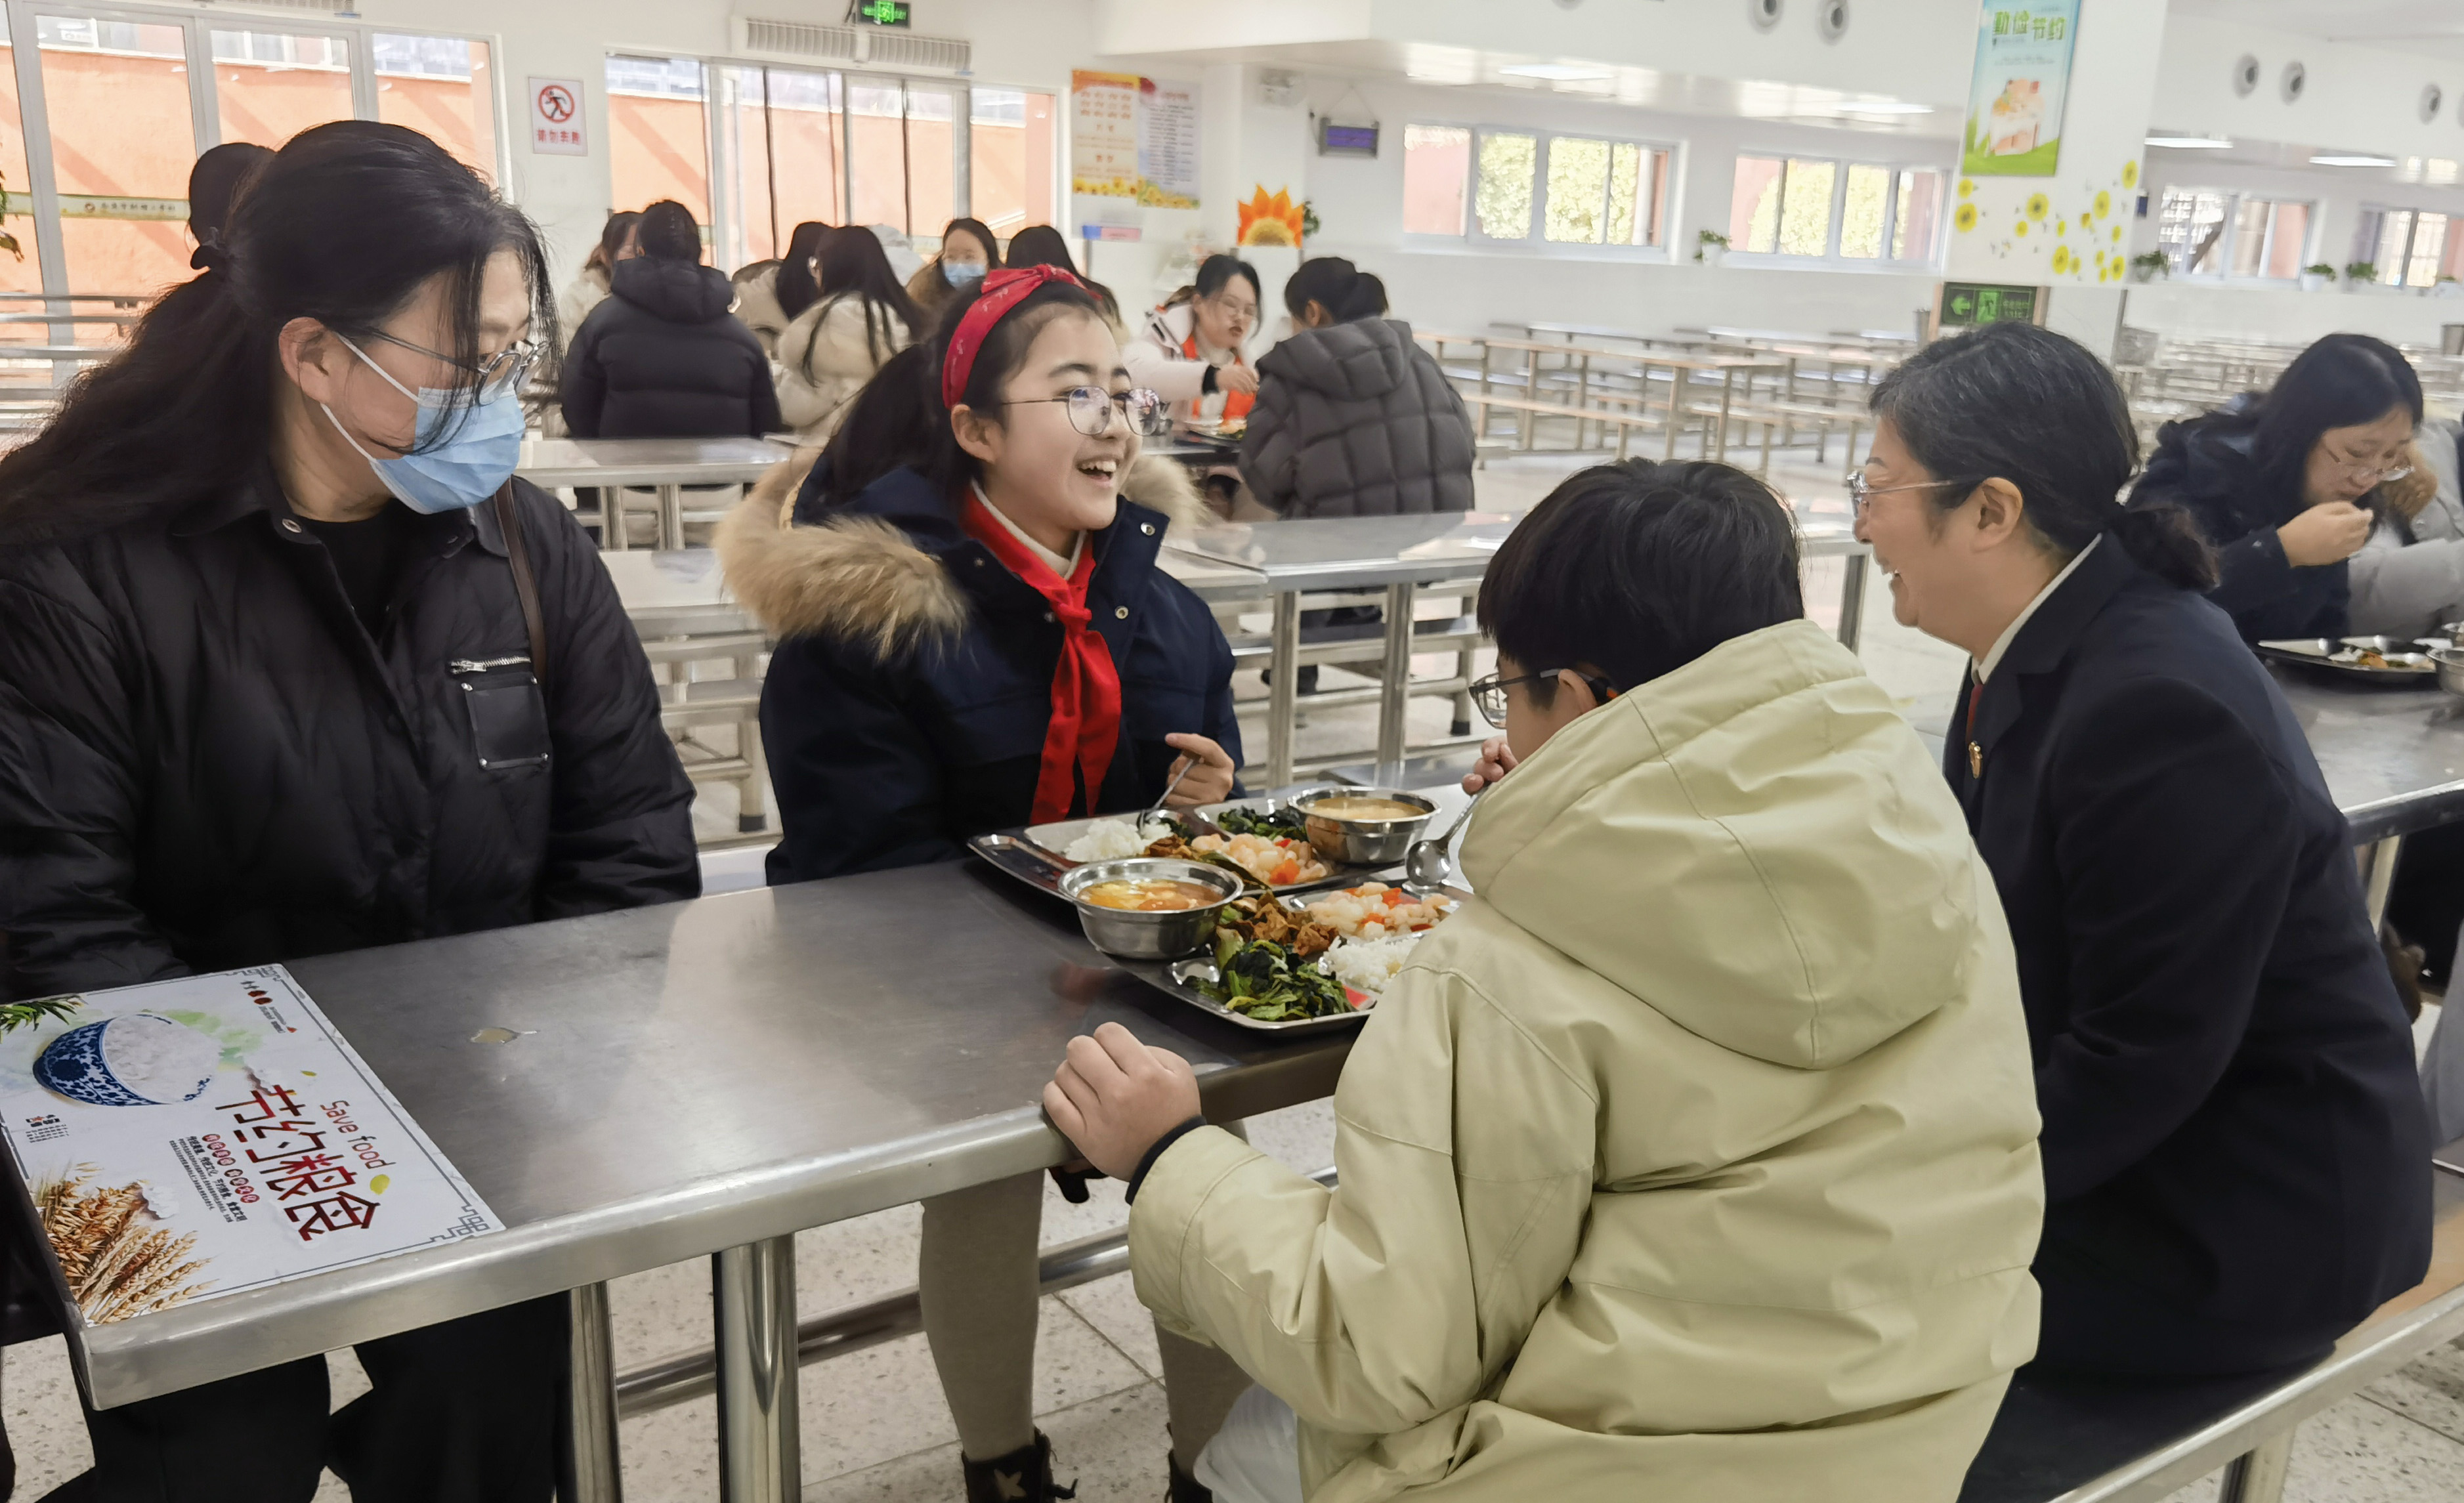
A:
(666, 464)
(1281, 561)
(703, 1078)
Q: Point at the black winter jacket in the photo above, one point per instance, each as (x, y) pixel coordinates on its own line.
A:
(205, 762)
(1356, 420)
(2234, 1141)
(2209, 467)
(907, 704)
(663, 357)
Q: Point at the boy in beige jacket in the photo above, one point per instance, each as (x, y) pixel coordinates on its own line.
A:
(1695, 1159)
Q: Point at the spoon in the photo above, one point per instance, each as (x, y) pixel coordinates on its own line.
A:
(1157, 808)
(1426, 863)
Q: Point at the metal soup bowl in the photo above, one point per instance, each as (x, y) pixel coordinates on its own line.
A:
(1148, 936)
(2450, 663)
(1363, 842)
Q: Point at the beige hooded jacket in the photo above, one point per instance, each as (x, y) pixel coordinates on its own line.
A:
(1694, 1160)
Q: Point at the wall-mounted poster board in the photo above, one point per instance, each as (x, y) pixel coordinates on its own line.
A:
(1132, 144)
(2014, 103)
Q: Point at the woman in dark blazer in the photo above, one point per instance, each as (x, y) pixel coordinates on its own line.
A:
(2236, 1158)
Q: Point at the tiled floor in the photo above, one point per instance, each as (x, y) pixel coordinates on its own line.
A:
(874, 1427)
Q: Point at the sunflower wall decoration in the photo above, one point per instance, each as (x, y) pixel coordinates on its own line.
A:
(2040, 225)
(1271, 219)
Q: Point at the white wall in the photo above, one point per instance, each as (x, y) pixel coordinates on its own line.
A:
(2288, 317)
(2359, 98)
(1463, 288)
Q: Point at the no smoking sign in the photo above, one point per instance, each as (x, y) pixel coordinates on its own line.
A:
(556, 128)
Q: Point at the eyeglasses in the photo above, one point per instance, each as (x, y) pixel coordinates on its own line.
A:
(1091, 410)
(1859, 491)
(1488, 694)
(503, 371)
(2362, 471)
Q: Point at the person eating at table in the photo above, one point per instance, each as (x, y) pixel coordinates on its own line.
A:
(968, 254)
(2236, 1156)
(974, 637)
(293, 665)
(2287, 486)
(1693, 1157)
(1192, 350)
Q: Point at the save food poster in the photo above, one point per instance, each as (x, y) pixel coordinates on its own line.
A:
(200, 1137)
(1133, 138)
(2015, 106)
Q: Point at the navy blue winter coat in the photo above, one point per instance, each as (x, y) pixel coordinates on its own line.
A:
(2209, 467)
(907, 704)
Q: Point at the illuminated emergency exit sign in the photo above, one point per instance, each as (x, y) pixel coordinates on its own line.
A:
(882, 12)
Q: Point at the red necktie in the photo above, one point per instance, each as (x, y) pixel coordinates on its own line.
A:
(1085, 686)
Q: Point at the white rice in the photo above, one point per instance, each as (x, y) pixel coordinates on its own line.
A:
(1111, 839)
(161, 1060)
(1368, 964)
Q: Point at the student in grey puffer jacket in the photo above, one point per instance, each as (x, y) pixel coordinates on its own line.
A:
(1352, 418)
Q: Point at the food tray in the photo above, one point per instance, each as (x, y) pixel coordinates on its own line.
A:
(1057, 836)
(1176, 978)
(2322, 653)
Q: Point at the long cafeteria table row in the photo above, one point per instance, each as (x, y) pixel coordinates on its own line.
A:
(706, 1078)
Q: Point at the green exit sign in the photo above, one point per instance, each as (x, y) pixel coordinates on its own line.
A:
(882, 12)
(1967, 304)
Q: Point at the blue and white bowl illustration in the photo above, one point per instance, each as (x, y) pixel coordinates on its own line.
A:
(136, 1059)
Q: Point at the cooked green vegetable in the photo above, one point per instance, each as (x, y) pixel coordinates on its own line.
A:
(1267, 982)
(1278, 823)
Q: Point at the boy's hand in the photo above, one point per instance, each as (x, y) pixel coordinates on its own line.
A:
(1113, 1096)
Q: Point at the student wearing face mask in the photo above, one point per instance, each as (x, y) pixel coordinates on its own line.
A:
(293, 665)
(973, 636)
(968, 254)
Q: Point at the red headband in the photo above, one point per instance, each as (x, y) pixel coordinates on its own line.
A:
(1003, 290)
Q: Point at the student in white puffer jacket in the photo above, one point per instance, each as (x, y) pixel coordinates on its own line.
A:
(832, 348)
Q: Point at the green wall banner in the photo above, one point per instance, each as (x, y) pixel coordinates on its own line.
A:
(2014, 106)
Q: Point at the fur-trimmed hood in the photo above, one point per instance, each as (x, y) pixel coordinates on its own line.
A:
(876, 580)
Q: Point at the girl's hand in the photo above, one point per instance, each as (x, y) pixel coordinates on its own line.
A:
(1236, 377)
(1496, 760)
(1209, 780)
(2324, 533)
(1113, 1096)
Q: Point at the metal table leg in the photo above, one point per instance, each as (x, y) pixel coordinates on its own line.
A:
(592, 1472)
(753, 1298)
(672, 518)
(611, 518)
(1283, 695)
(752, 809)
(2259, 1477)
(2378, 876)
(1852, 600)
(1395, 681)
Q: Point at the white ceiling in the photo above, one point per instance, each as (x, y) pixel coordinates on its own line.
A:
(2436, 171)
(2433, 28)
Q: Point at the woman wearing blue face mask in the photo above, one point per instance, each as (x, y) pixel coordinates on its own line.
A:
(968, 251)
(291, 665)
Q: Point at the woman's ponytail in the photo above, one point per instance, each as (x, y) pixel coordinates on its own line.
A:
(2165, 539)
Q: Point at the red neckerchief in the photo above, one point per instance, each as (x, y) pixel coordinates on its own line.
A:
(1236, 403)
(1085, 686)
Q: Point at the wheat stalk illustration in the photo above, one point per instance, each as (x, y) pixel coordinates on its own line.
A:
(116, 1266)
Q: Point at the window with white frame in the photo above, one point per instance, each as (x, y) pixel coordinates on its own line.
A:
(2208, 232)
(1815, 210)
(2412, 247)
(1536, 187)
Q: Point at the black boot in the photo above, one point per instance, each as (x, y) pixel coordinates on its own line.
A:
(1185, 1488)
(1022, 1476)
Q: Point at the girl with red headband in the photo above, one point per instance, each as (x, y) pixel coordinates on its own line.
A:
(974, 635)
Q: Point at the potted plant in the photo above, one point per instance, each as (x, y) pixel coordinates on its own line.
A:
(2151, 266)
(2359, 274)
(2447, 287)
(1711, 245)
(2317, 276)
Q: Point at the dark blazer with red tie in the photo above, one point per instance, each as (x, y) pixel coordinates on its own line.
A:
(2233, 1133)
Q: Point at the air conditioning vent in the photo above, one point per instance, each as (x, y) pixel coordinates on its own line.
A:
(807, 41)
